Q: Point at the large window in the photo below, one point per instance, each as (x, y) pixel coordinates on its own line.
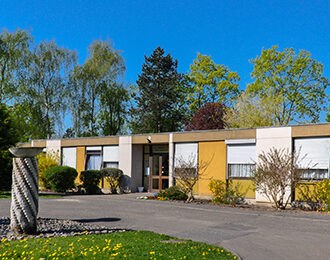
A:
(93, 157)
(111, 156)
(241, 159)
(69, 156)
(314, 154)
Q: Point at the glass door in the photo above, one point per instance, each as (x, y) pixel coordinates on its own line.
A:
(158, 172)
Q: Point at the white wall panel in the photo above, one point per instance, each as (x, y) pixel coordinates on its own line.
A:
(186, 152)
(69, 157)
(111, 153)
(241, 154)
(93, 148)
(315, 152)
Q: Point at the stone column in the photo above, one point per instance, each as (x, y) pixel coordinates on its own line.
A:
(24, 194)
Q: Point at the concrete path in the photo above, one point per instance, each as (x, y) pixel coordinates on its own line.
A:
(250, 234)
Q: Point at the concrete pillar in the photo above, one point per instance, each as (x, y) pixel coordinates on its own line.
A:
(267, 138)
(125, 159)
(24, 201)
(170, 159)
(53, 147)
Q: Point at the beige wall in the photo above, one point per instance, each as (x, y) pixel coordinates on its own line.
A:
(125, 158)
(53, 146)
(268, 138)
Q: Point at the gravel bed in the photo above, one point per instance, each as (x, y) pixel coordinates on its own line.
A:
(49, 227)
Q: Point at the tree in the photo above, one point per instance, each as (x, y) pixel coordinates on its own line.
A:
(45, 97)
(159, 98)
(209, 116)
(276, 173)
(250, 111)
(187, 173)
(211, 82)
(8, 138)
(295, 79)
(97, 90)
(14, 50)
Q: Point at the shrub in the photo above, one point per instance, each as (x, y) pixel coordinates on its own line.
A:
(91, 180)
(46, 161)
(172, 193)
(225, 194)
(323, 188)
(113, 176)
(61, 178)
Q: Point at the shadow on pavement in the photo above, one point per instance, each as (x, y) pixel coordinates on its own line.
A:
(91, 220)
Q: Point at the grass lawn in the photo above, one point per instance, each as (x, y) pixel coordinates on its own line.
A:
(7, 195)
(119, 245)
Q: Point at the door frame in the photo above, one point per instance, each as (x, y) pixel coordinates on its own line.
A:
(159, 175)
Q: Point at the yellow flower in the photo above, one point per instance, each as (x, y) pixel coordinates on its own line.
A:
(152, 252)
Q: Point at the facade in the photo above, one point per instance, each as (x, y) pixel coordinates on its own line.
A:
(148, 160)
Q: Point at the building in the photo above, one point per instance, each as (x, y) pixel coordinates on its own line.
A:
(148, 160)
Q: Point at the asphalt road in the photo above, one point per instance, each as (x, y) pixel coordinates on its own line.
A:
(248, 233)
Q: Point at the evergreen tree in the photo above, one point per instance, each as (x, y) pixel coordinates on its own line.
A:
(160, 95)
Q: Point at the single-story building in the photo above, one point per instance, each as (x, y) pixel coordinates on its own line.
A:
(148, 160)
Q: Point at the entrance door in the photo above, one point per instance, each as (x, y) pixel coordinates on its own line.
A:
(159, 172)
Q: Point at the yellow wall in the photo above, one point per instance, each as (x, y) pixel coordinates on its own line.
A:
(307, 187)
(246, 187)
(80, 161)
(214, 154)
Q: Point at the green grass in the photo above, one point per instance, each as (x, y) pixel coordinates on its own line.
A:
(119, 245)
(7, 195)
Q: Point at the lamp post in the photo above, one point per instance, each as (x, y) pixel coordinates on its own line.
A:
(24, 193)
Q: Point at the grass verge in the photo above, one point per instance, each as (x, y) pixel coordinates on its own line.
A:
(119, 245)
(7, 195)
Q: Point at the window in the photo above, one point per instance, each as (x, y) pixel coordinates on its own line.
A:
(93, 158)
(111, 156)
(111, 165)
(314, 174)
(241, 170)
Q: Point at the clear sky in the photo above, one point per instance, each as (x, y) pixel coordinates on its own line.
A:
(232, 32)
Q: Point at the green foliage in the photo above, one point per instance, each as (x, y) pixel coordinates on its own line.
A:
(61, 178)
(91, 180)
(250, 111)
(294, 79)
(172, 193)
(225, 193)
(14, 52)
(159, 97)
(211, 83)
(113, 176)
(116, 245)
(99, 99)
(323, 189)
(8, 138)
(46, 161)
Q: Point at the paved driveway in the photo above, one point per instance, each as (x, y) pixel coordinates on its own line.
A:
(251, 234)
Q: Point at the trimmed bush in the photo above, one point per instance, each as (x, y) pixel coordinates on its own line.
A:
(61, 178)
(91, 180)
(172, 193)
(113, 176)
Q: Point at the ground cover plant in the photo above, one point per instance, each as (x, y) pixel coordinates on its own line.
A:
(7, 195)
(119, 245)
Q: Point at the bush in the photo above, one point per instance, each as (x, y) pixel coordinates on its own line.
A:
(323, 189)
(172, 193)
(225, 194)
(91, 180)
(113, 176)
(46, 161)
(61, 178)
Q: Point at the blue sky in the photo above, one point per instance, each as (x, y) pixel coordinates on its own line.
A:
(232, 32)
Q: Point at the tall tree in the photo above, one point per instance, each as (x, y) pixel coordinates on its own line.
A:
(250, 111)
(95, 85)
(46, 94)
(159, 97)
(294, 79)
(14, 49)
(211, 82)
(8, 138)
